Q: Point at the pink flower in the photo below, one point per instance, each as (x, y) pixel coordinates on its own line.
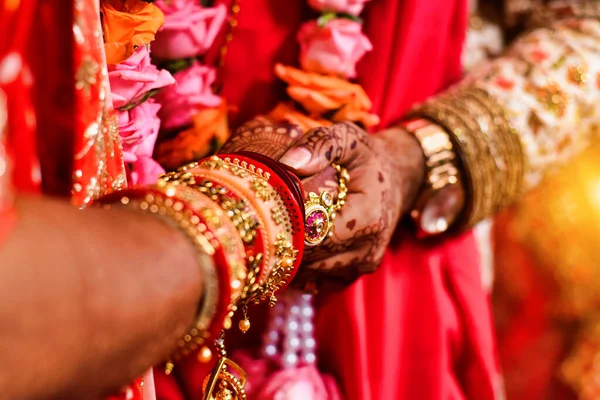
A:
(299, 384)
(145, 171)
(189, 28)
(352, 7)
(138, 129)
(134, 77)
(335, 48)
(267, 382)
(191, 92)
(258, 370)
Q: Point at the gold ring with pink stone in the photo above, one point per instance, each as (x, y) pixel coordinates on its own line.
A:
(320, 210)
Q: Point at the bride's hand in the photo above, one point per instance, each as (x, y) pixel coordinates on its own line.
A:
(264, 137)
(386, 171)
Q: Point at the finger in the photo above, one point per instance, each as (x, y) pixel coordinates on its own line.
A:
(260, 136)
(366, 243)
(318, 148)
(342, 268)
(325, 180)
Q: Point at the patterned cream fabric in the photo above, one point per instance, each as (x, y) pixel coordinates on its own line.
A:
(549, 85)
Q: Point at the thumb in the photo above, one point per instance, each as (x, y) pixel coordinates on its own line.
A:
(320, 147)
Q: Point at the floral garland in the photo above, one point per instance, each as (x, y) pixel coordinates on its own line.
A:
(331, 46)
(194, 116)
(177, 102)
(128, 27)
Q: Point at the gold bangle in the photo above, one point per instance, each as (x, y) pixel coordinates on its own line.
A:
(490, 150)
(473, 177)
(261, 283)
(493, 161)
(547, 14)
(513, 145)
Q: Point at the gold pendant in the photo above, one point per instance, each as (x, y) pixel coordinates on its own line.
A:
(222, 384)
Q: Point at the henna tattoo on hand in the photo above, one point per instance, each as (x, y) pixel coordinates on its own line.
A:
(336, 143)
(382, 185)
(385, 171)
(261, 136)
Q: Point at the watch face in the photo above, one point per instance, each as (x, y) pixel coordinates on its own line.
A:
(442, 209)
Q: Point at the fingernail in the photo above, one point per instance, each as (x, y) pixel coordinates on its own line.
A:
(296, 158)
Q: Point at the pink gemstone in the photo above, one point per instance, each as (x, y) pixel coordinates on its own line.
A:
(313, 219)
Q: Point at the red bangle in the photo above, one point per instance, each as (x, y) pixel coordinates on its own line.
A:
(250, 223)
(291, 192)
(277, 203)
(224, 232)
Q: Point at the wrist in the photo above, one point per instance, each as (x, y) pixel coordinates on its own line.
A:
(440, 199)
(409, 164)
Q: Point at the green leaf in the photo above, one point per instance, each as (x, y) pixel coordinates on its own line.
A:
(325, 18)
(350, 17)
(175, 66)
(215, 145)
(136, 102)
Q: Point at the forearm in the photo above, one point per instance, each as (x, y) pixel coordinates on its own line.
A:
(89, 299)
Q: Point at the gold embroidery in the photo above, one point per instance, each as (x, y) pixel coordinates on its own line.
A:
(90, 135)
(86, 74)
(534, 122)
(551, 96)
(261, 188)
(102, 135)
(578, 75)
(560, 62)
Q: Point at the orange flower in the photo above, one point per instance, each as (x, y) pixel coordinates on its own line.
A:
(286, 113)
(352, 114)
(319, 94)
(128, 24)
(195, 142)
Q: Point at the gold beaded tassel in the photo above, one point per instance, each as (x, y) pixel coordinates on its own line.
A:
(222, 384)
(244, 324)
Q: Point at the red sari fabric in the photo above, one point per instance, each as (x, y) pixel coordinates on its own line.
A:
(420, 327)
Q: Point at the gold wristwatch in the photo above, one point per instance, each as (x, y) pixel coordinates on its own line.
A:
(441, 199)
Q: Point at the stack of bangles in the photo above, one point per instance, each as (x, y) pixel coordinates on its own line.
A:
(247, 218)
